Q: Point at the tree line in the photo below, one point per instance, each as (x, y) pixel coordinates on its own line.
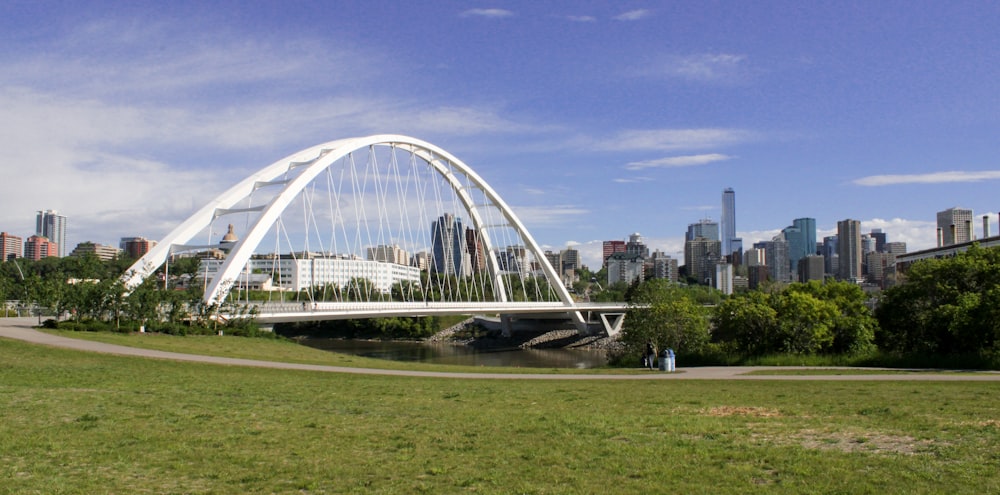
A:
(945, 310)
(87, 293)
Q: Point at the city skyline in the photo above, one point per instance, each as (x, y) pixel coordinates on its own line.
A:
(593, 121)
(592, 254)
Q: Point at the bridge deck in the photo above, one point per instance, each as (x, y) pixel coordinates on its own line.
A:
(291, 312)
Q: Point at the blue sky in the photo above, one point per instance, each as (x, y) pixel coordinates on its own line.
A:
(592, 119)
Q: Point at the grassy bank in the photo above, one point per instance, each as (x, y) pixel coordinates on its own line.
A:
(285, 350)
(77, 422)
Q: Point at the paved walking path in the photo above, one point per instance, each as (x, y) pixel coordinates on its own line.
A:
(22, 329)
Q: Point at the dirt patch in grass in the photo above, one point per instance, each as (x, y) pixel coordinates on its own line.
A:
(757, 412)
(869, 442)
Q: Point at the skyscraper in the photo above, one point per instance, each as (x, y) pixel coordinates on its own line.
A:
(52, 225)
(849, 250)
(801, 237)
(830, 255)
(776, 259)
(474, 246)
(704, 228)
(728, 221)
(700, 256)
(954, 226)
(880, 239)
(448, 241)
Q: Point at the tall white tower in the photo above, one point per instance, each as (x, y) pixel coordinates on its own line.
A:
(52, 225)
(728, 220)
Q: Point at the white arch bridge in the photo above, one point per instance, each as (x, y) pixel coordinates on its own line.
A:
(376, 226)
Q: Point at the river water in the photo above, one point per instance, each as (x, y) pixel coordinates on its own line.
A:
(439, 353)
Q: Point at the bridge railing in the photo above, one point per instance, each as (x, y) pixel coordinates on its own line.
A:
(472, 307)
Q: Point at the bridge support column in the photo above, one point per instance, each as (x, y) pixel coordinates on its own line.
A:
(613, 325)
(506, 325)
(582, 327)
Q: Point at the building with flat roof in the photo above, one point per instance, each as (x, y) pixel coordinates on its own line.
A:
(704, 228)
(301, 272)
(611, 247)
(904, 261)
(664, 266)
(849, 250)
(700, 256)
(11, 246)
(812, 267)
(135, 247)
(954, 226)
(101, 251)
(776, 259)
(625, 267)
(38, 247)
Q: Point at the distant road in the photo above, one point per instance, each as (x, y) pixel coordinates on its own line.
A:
(22, 329)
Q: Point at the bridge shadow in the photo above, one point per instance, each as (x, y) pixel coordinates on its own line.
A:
(494, 340)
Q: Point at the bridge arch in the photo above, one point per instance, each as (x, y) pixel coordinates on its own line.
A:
(292, 175)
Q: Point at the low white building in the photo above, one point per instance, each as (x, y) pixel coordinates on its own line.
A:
(297, 274)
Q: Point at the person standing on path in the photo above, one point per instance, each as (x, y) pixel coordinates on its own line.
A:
(650, 354)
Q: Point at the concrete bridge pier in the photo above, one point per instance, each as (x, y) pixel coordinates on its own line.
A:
(506, 325)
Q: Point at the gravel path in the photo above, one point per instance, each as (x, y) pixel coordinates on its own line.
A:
(21, 329)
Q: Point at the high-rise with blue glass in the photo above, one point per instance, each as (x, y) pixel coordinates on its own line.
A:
(730, 243)
(801, 237)
(448, 242)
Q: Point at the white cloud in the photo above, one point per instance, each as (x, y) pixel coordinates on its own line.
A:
(752, 236)
(931, 178)
(111, 60)
(590, 252)
(535, 216)
(917, 234)
(633, 15)
(128, 132)
(581, 18)
(702, 67)
(631, 180)
(494, 13)
(678, 161)
(673, 139)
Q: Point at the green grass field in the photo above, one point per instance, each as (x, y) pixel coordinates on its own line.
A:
(76, 422)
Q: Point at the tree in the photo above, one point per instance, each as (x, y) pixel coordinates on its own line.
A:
(143, 304)
(667, 316)
(804, 323)
(944, 306)
(854, 326)
(747, 322)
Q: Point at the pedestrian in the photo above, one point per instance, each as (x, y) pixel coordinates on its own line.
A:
(650, 354)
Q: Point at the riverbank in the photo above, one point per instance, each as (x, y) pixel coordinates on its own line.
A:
(470, 333)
